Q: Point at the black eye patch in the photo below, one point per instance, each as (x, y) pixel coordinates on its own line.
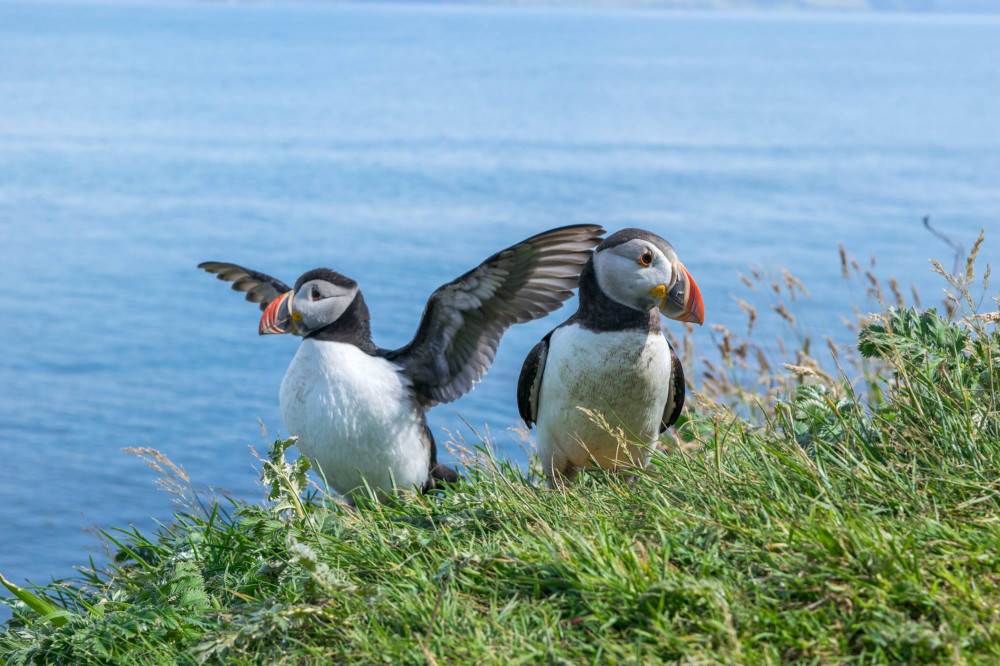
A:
(315, 293)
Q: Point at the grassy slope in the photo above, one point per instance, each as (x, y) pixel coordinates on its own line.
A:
(822, 530)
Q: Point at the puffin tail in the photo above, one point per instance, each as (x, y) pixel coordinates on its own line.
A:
(444, 473)
(441, 474)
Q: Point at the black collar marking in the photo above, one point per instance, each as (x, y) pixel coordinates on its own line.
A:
(599, 313)
(353, 327)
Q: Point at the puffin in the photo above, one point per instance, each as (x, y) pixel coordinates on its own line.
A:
(611, 358)
(358, 410)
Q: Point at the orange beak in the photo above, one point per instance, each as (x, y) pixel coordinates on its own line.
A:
(683, 302)
(277, 318)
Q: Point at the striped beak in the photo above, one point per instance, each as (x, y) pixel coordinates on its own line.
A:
(277, 318)
(683, 302)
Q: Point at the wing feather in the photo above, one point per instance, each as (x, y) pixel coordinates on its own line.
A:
(464, 320)
(259, 287)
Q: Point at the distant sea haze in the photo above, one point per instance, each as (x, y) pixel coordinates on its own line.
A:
(935, 6)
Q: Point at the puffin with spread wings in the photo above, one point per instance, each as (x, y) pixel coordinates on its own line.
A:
(359, 410)
(611, 358)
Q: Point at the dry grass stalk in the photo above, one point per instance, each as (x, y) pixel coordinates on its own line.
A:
(785, 314)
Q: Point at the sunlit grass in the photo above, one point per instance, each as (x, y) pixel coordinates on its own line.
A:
(843, 510)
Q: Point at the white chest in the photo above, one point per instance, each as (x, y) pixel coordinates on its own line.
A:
(623, 375)
(354, 416)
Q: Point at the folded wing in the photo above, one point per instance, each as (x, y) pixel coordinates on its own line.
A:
(529, 383)
(675, 397)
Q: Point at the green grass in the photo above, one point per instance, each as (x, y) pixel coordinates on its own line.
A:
(820, 525)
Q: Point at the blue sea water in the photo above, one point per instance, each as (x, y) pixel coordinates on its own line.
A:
(401, 145)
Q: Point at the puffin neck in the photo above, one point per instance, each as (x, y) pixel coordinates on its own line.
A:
(353, 327)
(597, 312)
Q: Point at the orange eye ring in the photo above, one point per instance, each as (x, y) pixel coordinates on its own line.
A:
(645, 259)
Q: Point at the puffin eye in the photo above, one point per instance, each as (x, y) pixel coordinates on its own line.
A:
(315, 294)
(646, 259)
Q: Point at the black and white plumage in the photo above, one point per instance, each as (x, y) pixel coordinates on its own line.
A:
(611, 358)
(357, 409)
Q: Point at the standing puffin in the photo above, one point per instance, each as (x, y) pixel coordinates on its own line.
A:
(611, 357)
(359, 410)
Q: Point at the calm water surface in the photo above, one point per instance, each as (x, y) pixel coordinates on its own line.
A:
(401, 146)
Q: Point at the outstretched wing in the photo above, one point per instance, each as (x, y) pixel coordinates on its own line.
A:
(260, 288)
(464, 319)
(675, 397)
(529, 384)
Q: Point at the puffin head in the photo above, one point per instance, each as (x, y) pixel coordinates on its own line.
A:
(318, 300)
(640, 270)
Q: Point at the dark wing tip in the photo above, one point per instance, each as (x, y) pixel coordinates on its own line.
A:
(213, 266)
(223, 270)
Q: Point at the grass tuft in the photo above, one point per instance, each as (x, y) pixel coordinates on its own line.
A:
(797, 514)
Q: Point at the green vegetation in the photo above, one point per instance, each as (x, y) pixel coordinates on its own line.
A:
(795, 516)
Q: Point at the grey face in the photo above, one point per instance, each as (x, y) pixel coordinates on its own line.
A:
(318, 303)
(638, 273)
